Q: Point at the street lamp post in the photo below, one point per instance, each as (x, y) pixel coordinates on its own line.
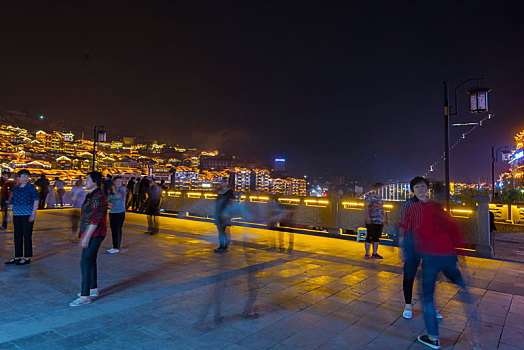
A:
(478, 104)
(99, 135)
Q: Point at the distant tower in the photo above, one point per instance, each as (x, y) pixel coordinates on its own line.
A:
(279, 164)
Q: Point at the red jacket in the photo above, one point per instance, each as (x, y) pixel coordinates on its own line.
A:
(438, 233)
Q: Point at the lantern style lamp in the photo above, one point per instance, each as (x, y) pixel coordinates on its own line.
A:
(478, 99)
(102, 135)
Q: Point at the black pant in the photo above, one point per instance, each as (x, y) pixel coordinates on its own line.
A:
(4, 214)
(23, 230)
(88, 265)
(411, 263)
(42, 196)
(116, 221)
(223, 237)
(152, 223)
(134, 202)
(60, 193)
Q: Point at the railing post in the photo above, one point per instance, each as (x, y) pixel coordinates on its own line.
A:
(484, 247)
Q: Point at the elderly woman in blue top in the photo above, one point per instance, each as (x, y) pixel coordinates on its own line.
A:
(117, 212)
(23, 204)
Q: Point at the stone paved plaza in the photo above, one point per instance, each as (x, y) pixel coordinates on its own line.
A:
(170, 291)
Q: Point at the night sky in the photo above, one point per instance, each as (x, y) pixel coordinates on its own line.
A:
(351, 88)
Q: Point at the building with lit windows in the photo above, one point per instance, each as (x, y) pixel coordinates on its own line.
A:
(277, 186)
(261, 181)
(242, 177)
(295, 187)
(183, 177)
(517, 162)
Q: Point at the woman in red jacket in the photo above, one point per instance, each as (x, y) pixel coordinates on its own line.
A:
(436, 241)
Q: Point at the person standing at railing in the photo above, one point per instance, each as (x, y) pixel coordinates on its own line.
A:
(129, 192)
(152, 207)
(6, 188)
(59, 186)
(374, 217)
(222, 215)
(42, 185)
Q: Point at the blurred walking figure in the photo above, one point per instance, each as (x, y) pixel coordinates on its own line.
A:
(410, 221)
(117, 212)
(129, 192)
(222, 215)
(59, 186)
(253, 284)
(436, 240)
(143, 190)
(23, 204)
(43, 190)
(92, 232)
(282, 216)
(134, 199)
(6, 188)
(107, 184)
(77, 199)
(374, 217)
(153, 207)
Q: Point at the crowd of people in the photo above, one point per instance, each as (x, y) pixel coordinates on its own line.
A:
(427, 233)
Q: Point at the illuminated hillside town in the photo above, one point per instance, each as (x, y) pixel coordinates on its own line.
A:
(57, 153)
(513, 178)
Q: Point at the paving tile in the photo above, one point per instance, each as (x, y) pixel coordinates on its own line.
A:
(322, 296)
(511, 336)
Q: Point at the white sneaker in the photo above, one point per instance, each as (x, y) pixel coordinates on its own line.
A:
(113, 251)
(92, 293)
(407, 314)
(80, 301)
(439, 316)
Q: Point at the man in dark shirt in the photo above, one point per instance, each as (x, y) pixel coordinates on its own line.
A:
(223, 216)
(143, 189)
(154, 198)
(108, 183)
(129, 192)
(6, 188)
(43, 189)
(92, 229)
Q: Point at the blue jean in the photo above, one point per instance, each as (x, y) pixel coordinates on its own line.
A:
(411, 263)
(88, 265)
(432, 265)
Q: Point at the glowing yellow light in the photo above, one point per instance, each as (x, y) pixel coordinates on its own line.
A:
(210, 195)
(469, 250)
(259, 199)
(462, 211)
(316, 203)
(389, 206)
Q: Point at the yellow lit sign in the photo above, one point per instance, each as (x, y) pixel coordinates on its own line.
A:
(352, 205)
(194, 195)
(210, 195)
(258, 199)
(316, 203)
(289, 201)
